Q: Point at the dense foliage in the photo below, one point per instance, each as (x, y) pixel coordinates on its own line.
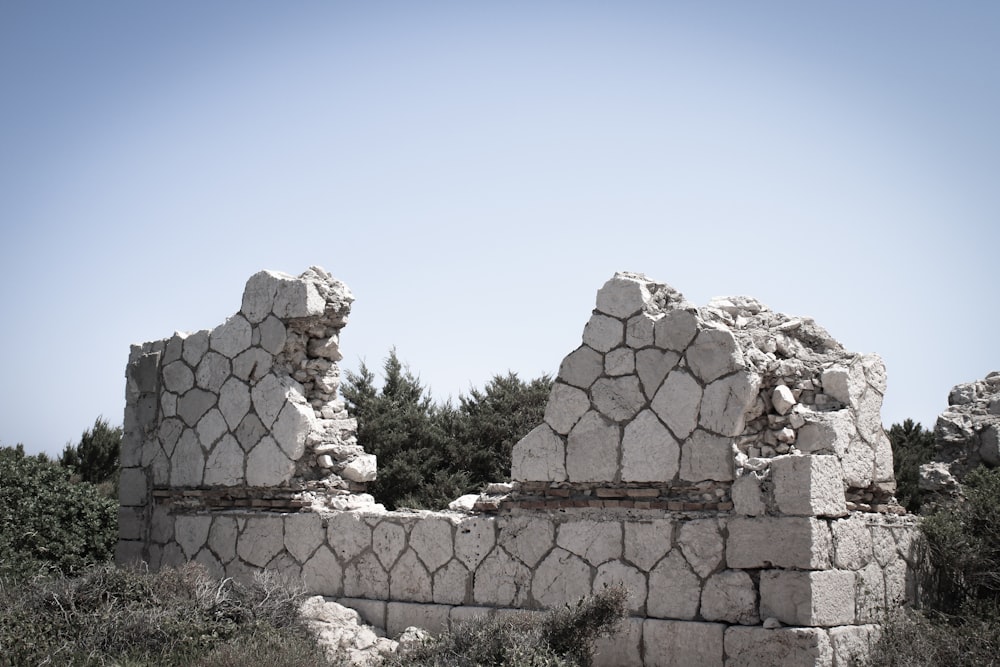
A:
(912, 446)
(48, 522)
(429, 454)
(560, 638)
(176, 617)
(95, 458)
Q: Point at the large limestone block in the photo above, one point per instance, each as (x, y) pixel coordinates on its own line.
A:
(619, 362)
(322, 574)
(348, 534)
(284, 295)
(677, 403)
(796, 597)
(177, 377)
(870, 606)
(210, 427)
(650, 453)
(131, 522)
(193, 404)
(252, 365)
(582, 367)
(303, 533)
(702, 544)
(365, 577)
(646, 542)
(675, 330)
(565, 407)
(409, 579)
(674, 589)
(845, 383)
(706, 456)
(526, 538)
(808, 485)
(191, 532)
(212, 372)
(293, 425)
(234, 401)
(388, 542)
(652, 366)
(603, 333)
(852, 543)
(361, 468)
(194, 347)
(261, 540)
(624, 295)
(431, 539)
(794, 542)
(401, 615)
(748, 496)
(594, 541)
(826, 433)
(451, 583)
(133, 489)
(475, 537)
(272, 335)
(267, 465)
(539, 456)
(714, 353)
(225, 464)
(561, 578)
(617, 573)
(725, 403)
(791, 647)
(852, 644)
(684, 644)
(730, 596)
(501, 581)
(618, 399)
(232, 337)
(592, 449)
(622, 648)
(639, 330)
(187, 466)
(222, 538)
(270, 395)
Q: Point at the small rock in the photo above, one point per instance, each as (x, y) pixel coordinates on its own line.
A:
(771, 623)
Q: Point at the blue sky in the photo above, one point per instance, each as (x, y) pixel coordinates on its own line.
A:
(475, 172)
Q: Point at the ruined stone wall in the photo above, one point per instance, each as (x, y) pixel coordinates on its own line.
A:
(726, 464)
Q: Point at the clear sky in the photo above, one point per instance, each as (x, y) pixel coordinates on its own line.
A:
(476, 171)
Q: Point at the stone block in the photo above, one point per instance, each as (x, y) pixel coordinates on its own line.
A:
(852, 644)
(603, 333)
(410, 580)
(129, 552)
(527, 538)
(225, 464)
(194, 404)
(620, 361)
(388, 542)
(702, 544)
(133, 490)
(748, 497)
(303, 533)
(683, 644)
(539, 456)
(582, 367)
(793, 542)
(565, 407)
(267, 465)
(430, 617)
(677, 402)
(808, 485)
(714, 353)
(788, 647)
(474, 539)
(725, 402)
(705, 456)
(431, 539)
(650, 453)
(501, 581)
(622, 648)
(348, 534)
(592, 449)
(624, 295)
(234, 401)
(191, 532)
(619, 398)
(295, 421)
(372, 612)
(261, 539)
(674, 589)
(730, 596)
(177, 377)
(187, 465)
(652, 366)
(561, 578)
(212, 372)
(322, 574)
(451, 583)
(131, 523)
(825, 598)
(617, 573)
(639, 330)
(365, 577)
(852, 543)
(675, 330)
(646, 542)
(594, 541)
(361, 468)
(231, 338)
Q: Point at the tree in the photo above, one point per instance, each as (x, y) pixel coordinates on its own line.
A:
(912, 446)
(48, 522)
(95, 457)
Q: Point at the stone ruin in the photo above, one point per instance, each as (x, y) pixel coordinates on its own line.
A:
(725, 464)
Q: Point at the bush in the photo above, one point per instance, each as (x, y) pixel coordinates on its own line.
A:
(176, 617)
(912, 447)
(49, 523)
(560, 638)
(95, 457)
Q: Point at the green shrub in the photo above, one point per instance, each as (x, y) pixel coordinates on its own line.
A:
(175, 617)
(560, 638)
(912, 447)
(95, 457)
(48, 522)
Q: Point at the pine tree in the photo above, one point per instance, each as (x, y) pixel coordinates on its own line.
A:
(95, 457)
(912, 446)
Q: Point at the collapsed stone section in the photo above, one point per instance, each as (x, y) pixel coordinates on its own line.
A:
(247, 413)
(667, 395)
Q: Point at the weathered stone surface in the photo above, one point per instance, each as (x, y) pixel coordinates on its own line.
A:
(603, 333)
(652, 366)
(725, 402)
(617, 573)
(269, 396)
(322, 574)
(187, 466)
(212, 372)
(714, 353)
(648, 541)
(451, 583)
(582, 367)
(565, 407)
(400, 616)
(618, 399)
(501, 581)
(194, 348)
(272, 334)
(852, 544)
(431, 540)
(210, 427)
(792, 542)
(852, 644)
(177, 377)
(261, 540)
(649, 452)
(622, 648)
(365, 578)
(808, 485)
(249, 432)
(222, 538)
(706, 456)
(592, 449)
(748, 498)
(252, 365)
(362, 468)
(869, 603)
(231, 338)
(303, 533)
(195, 403)
(675, 330)
(702, 544)
(409, 579)
(527, 538)
(132, 487)
(294, 423)
(684, 644)
(677, 403)
(619, 362)
(730, 596)
(348, 534)
(639, 331)
(753, 647)
(595, 541)
(561, 578)
(824, 598)
(267, 465)
(624, 295)
(474, 538)
(191, 532)
(225, 464)
(674, 589)
(539, 456)
(782, 399)
(388, 542)
(234, 401)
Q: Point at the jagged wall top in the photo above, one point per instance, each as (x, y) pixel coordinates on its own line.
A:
(664, 393)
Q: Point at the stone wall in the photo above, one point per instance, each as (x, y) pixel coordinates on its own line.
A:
(726, 464)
